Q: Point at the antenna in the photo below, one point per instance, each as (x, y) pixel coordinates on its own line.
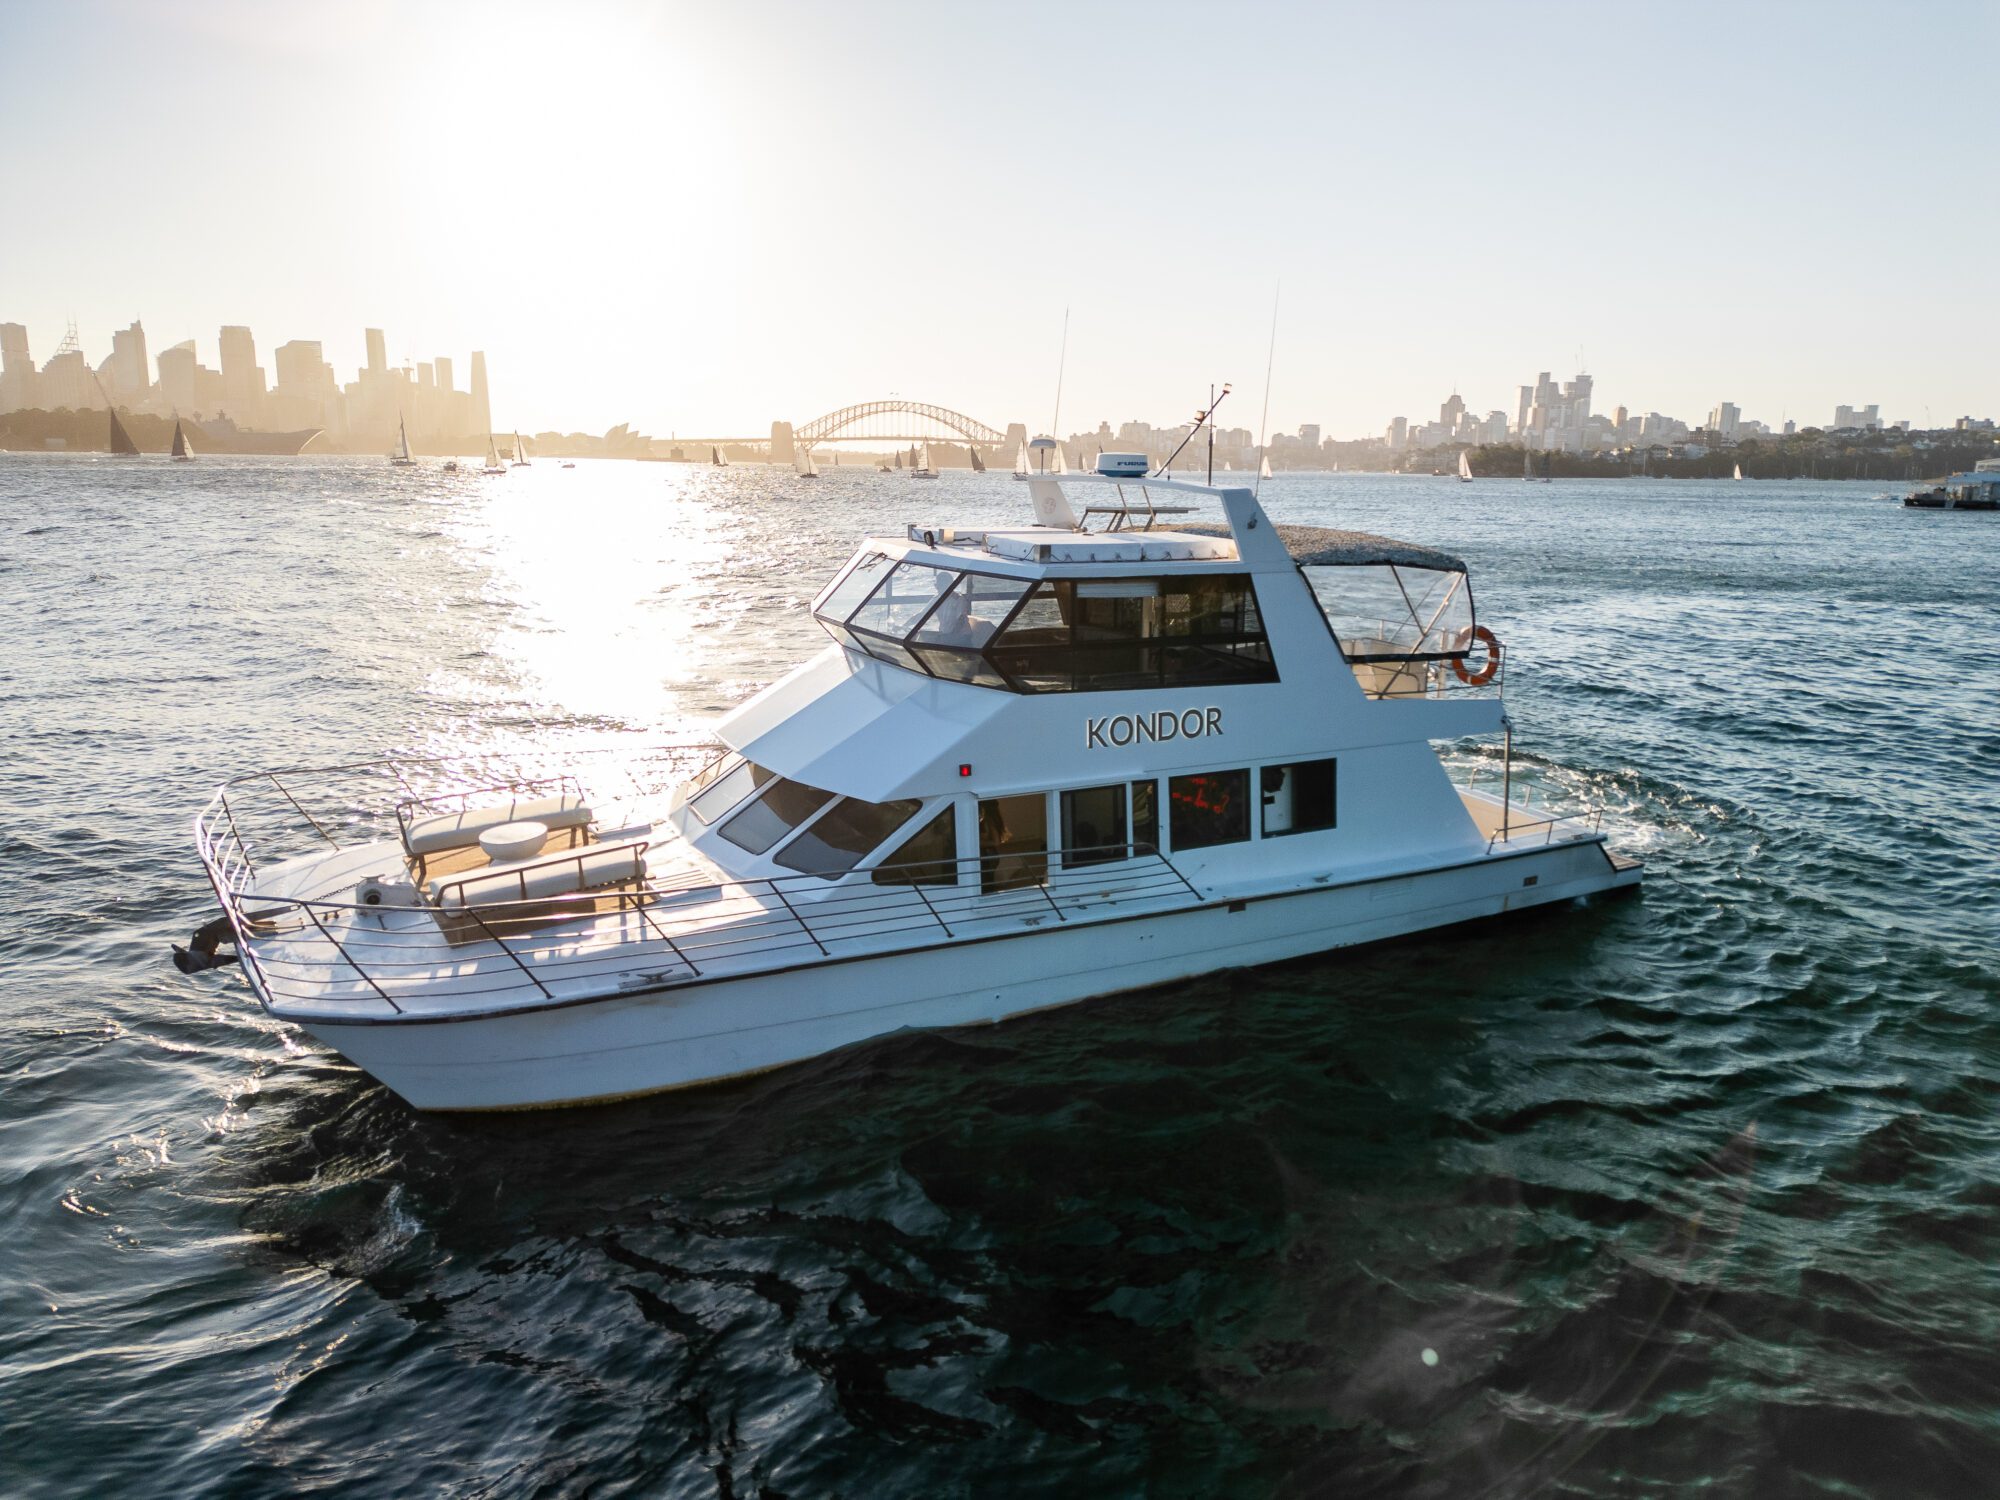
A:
(1270, 359)
(1062, 361)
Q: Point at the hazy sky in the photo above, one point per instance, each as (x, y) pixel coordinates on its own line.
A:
(701, 217)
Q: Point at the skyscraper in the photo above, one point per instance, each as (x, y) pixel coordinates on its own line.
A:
(443, 366)
(17, 369)
(482, 406)
(130, 374)
(378, 354)
(242, 381)
(177, 384)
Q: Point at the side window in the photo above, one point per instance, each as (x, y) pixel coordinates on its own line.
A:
(1013, 842)
(772, 814)
(1208, 809)
(1146, 817)
(927, 857)
(1298, 798)
(1093, 825)
(851, 828)
(715, 799)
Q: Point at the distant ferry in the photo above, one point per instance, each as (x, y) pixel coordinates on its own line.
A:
(1035, 763)
(1979, 490)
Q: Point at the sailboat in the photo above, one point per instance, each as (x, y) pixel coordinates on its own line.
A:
(401, 457)
(1739, 471)
(492, 458)
(1021, 462)
(977, 466)
(899, 460)
(924, 470)
(121, 440)
(181, 448)
(520, 451)
(1058, 465)
(1264, 467)
(802, 459)
(1465, 466)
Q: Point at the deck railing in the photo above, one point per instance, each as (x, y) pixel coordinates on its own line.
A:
(647, 934)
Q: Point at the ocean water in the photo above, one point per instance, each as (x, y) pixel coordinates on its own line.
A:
(1691, 1192)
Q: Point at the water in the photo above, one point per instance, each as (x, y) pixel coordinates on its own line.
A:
(1699, 1188)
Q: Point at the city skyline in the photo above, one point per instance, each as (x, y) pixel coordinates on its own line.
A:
(684, 217)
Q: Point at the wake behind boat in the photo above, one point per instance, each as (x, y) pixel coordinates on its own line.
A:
(1035, 764)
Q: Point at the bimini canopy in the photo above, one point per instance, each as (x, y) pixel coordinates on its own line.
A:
(1327, 547)
(1395, 607)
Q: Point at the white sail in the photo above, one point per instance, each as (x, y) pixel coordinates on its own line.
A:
(802, 460)
(1061, 466)
(1264, 468)
(402, 453)
(1739, 471)
(492, 452)
(1021, 462)
(520, 452)
(1465, 463)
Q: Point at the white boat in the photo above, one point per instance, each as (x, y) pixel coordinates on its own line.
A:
(1465, 466)
(521, 460)
(1021, 462)
(493, 465)
(1739, 472)
(715, 458)
(1033, 764)
(181, 448)
(922, 470)
(401, 456)
(802, 460)
(1264, 467)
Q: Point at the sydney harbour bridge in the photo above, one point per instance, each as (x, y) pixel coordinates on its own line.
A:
(891, 423)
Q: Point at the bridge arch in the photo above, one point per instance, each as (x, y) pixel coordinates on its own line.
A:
(850, 421)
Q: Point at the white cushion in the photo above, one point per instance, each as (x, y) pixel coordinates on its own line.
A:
(597, 865)
(462, 830)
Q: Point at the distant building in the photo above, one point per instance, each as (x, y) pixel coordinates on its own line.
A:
(177, 368)
(1398, 436)
(482, 407)
(18, 382)
(1723, 420)
(378, 352)
(1864, 417)
(130, 377)
(242, 381)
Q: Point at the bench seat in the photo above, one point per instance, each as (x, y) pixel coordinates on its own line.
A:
(461, 830)
(596, 867)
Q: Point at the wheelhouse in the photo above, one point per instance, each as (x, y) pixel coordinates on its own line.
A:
(1134, 630)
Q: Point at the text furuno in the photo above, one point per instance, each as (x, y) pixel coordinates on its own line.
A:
(1127, 729)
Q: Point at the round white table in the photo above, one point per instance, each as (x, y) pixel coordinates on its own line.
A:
(512, 841)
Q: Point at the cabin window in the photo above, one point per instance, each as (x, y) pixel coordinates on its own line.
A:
(1210, 808)
(901, 600)
(1146, 817)
(832, 845)
(1096, 635)
(1093, 825)
(1013, 842)
(1072, 636)
(1297, 798)
(927, 857)
(853, 586)
(775, 812)
(715, 799)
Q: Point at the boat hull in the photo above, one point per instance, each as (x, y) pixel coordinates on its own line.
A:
(648, 1041)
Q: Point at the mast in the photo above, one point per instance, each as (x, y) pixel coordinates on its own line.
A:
(121, 440)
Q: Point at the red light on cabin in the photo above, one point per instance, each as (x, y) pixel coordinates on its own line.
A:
(965, 770)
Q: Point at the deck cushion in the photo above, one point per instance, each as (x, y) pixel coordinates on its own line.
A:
(595, 866)
(461, 830)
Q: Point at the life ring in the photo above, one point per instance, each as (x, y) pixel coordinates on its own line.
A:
(1485, 638)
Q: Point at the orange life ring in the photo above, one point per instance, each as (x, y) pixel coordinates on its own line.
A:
(1485, 638)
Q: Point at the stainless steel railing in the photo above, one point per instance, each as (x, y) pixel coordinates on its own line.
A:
(649, 933)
